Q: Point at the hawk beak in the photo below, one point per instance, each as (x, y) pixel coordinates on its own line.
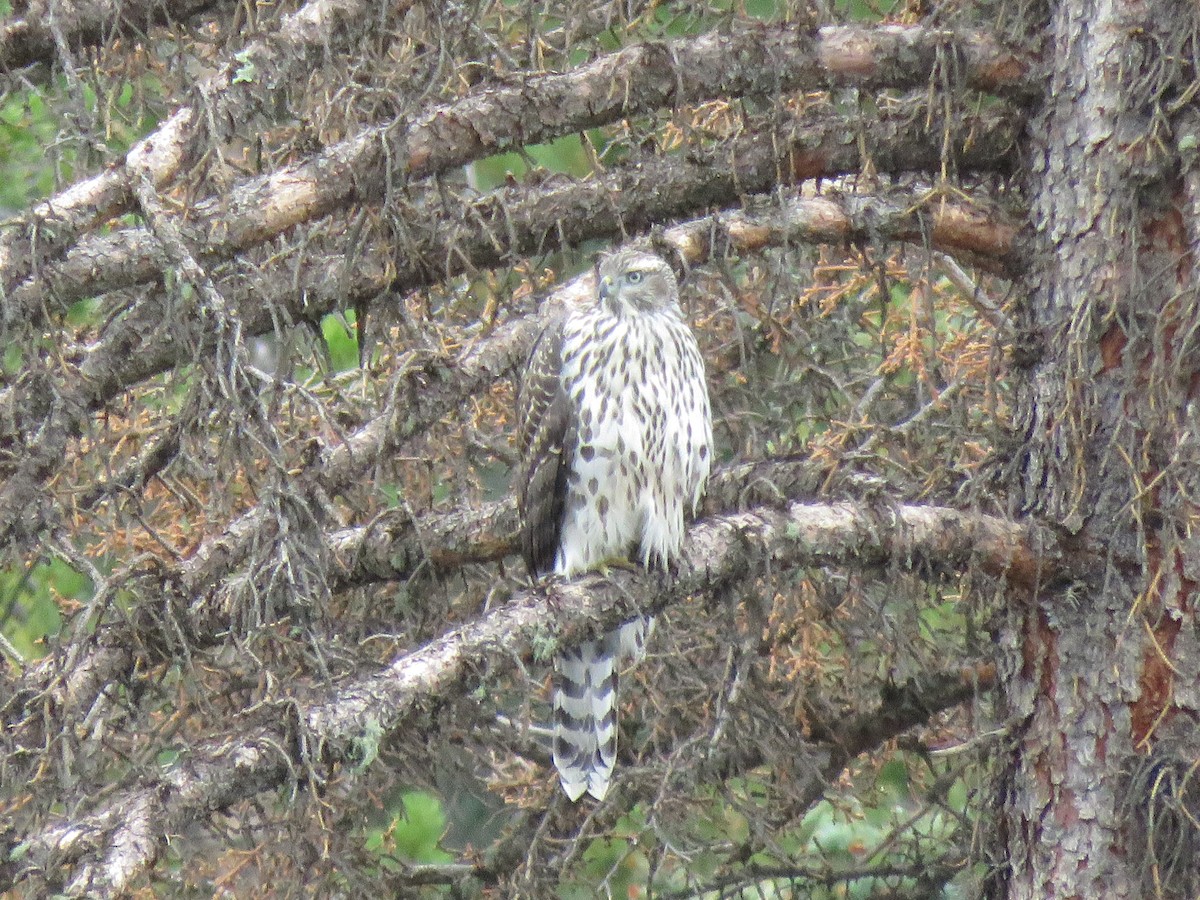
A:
(605, 287)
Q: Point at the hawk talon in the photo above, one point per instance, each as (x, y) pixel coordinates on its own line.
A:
(607, 567)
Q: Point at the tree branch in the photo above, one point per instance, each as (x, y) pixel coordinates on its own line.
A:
(747, 880)
(751, 62)
(28, 39)
(128, 827)
(55, 224)
(141, 343)
(943, 541)
(447, 236)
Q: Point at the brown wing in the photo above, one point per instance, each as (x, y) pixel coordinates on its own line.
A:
(547, 436)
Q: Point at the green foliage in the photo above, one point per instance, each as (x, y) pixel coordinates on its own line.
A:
(31, 119)
(29, 602)
(618, 861)
(413, 833)
(13, 359)
(341, 340)
(865, 10)
(768, 10)
(366, 745)
(543, 644)
(84, 312)
(566, 155)
(27, 126)
(247, 70)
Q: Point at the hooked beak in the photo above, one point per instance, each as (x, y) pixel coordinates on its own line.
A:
(606, 284)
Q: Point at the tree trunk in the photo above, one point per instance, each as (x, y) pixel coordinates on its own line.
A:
(1105, 376)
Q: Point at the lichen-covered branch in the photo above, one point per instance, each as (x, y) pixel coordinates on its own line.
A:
(943, 541)
(120, 836)
(447, 236)
(29, 38)
(392, 546)
(748, 62)
(278, 58)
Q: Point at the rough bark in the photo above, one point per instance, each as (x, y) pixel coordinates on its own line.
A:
(46, 30)
(1091, 667)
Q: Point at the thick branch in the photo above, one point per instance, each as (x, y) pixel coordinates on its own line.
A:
(749, 880)
(394, 544)
(29, 38)
(446, 236)
(138, 345)
(131, 825)
(637, 79)
(843, 536)
(763, 62)
(54, 224)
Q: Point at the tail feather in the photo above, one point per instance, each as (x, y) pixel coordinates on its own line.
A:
(585, 708)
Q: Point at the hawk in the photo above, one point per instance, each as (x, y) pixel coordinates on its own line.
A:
(616, 441)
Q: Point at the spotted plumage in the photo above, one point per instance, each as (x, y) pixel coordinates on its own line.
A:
(616, 439)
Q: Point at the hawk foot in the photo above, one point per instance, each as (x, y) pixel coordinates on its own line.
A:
(619, 563)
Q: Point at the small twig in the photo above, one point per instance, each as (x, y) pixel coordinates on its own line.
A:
(974, 294)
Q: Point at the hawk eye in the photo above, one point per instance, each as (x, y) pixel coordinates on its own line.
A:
(635, 277)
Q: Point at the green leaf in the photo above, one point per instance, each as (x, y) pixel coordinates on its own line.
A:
(247, 70)
(341, 340)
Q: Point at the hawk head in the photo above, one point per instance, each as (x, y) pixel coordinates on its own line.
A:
(633, 281)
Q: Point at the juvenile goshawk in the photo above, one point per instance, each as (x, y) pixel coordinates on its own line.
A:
(616, 438)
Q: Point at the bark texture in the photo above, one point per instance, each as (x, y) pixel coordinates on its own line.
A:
(1092, 666)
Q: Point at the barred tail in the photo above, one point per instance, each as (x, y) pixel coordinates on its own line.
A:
(585, 707)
